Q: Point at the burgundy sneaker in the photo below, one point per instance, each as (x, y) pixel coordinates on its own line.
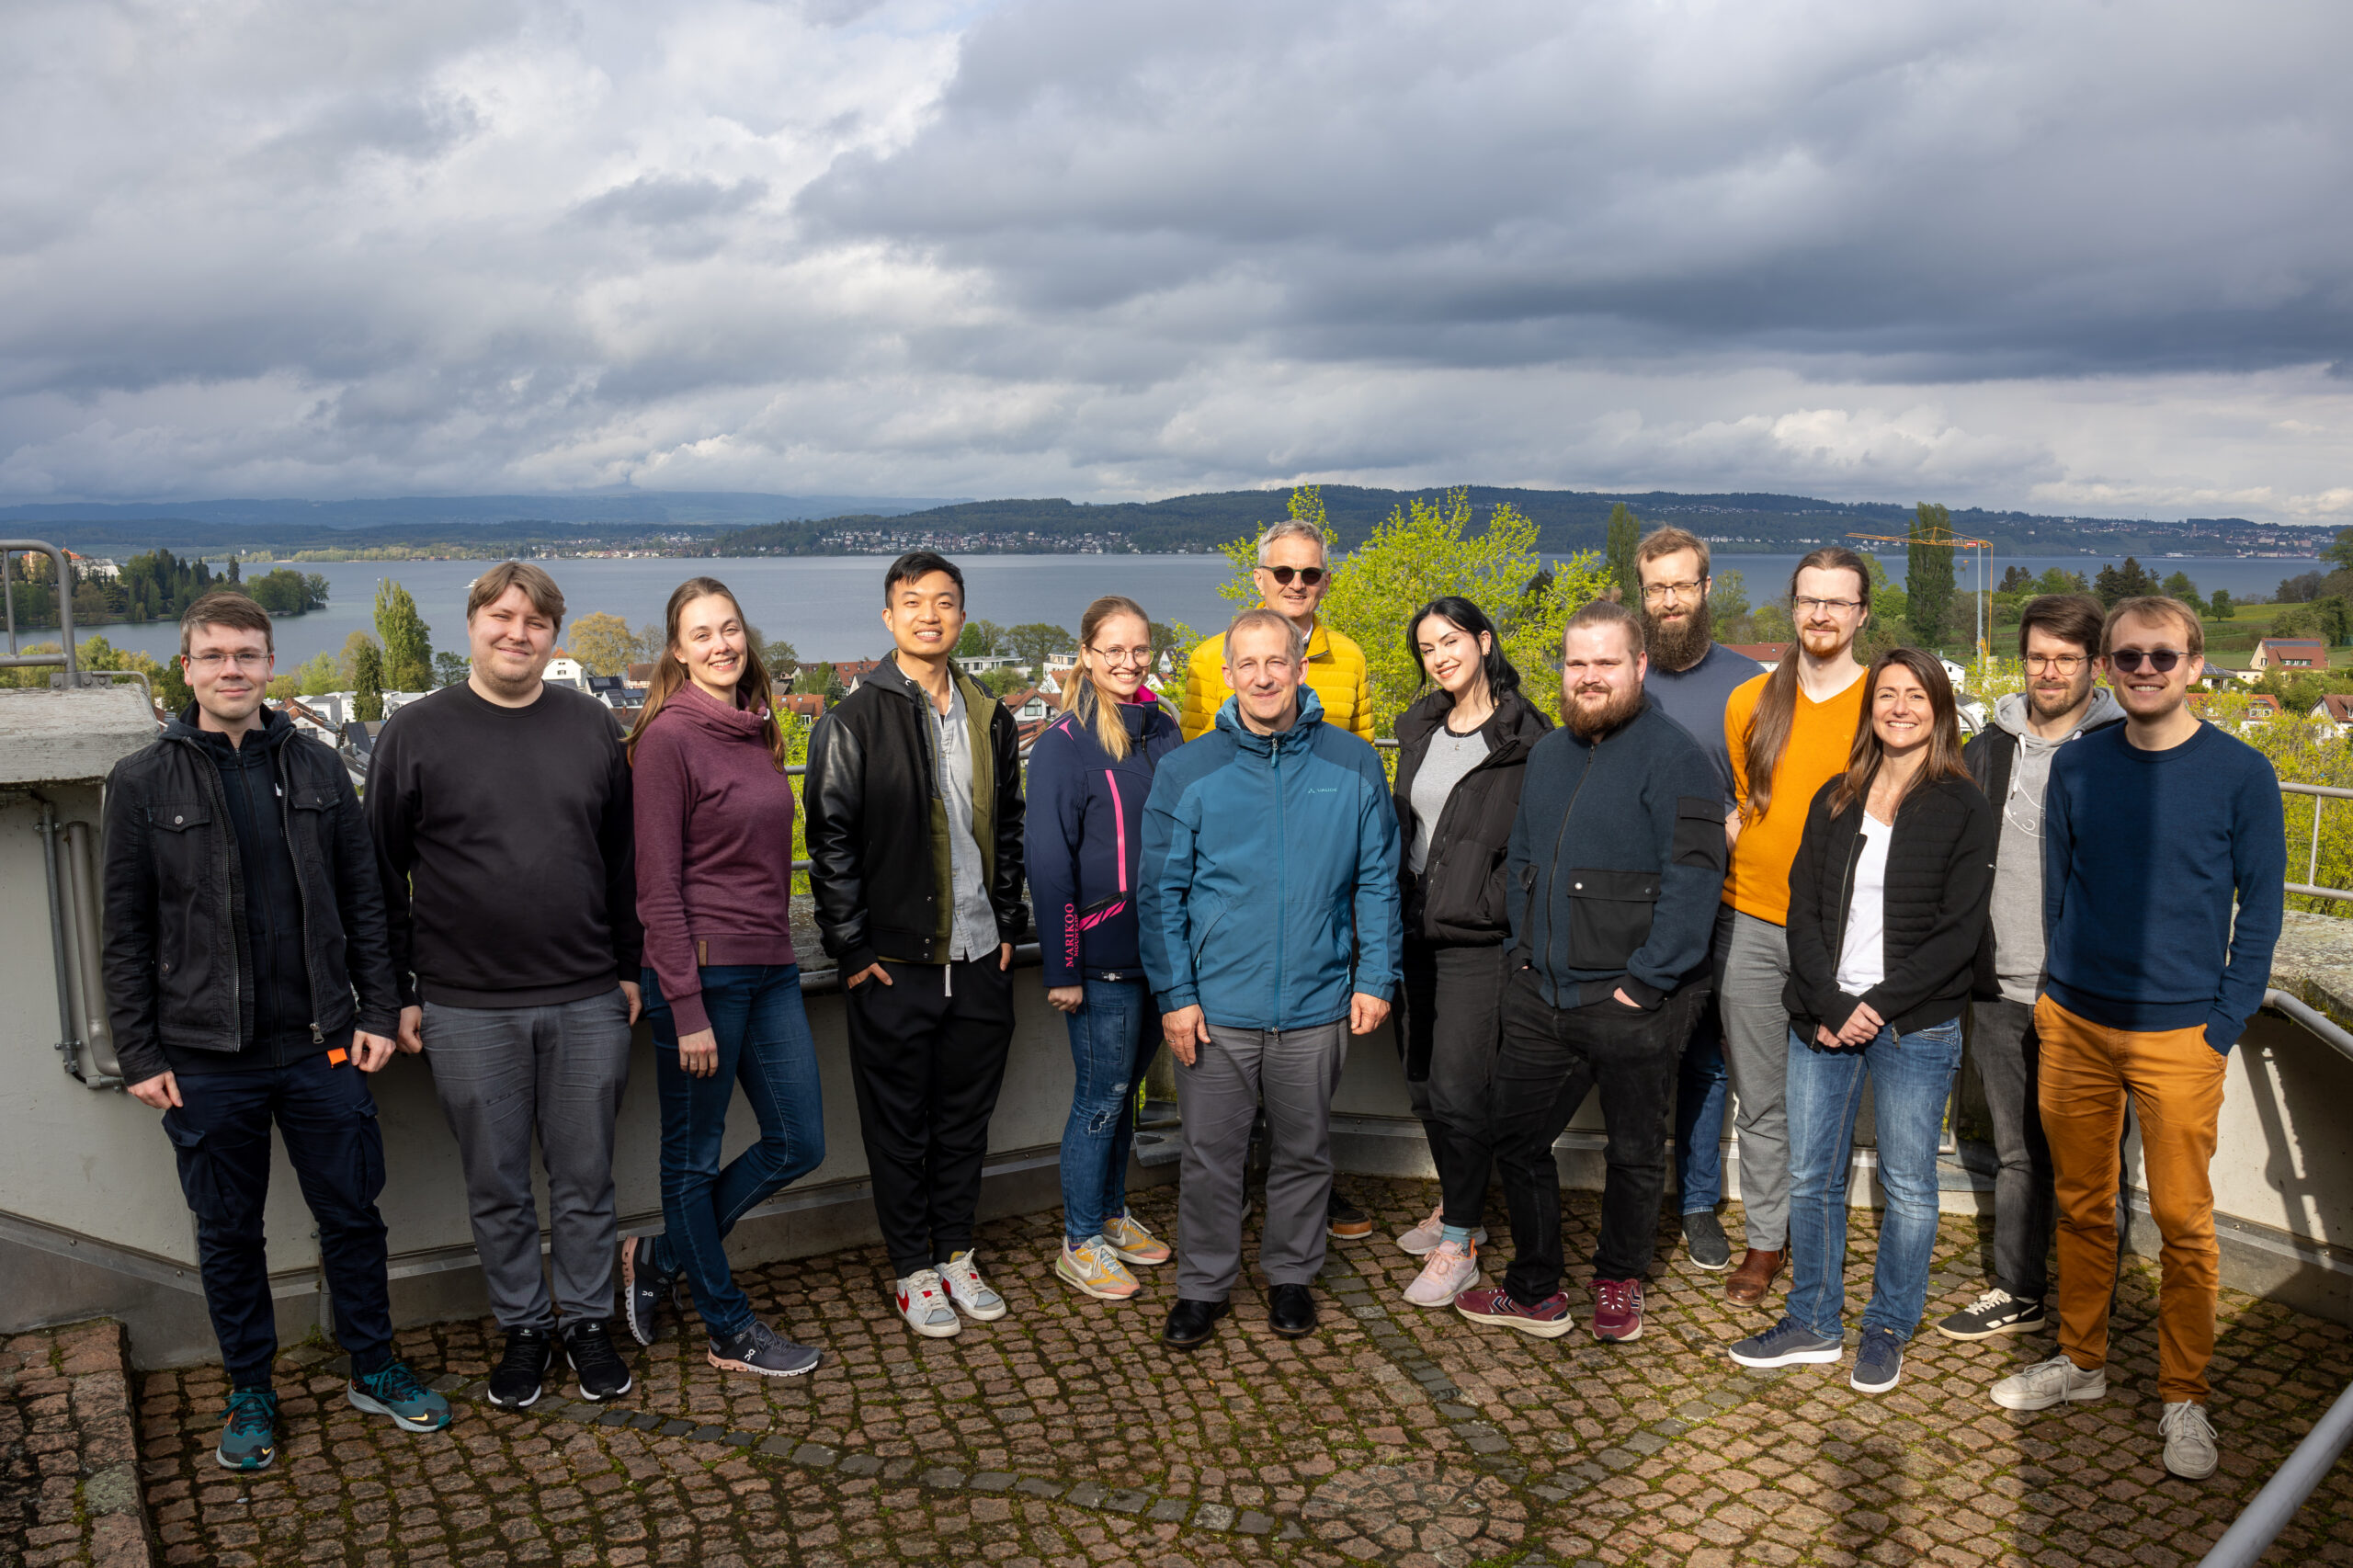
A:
(1616, 1310)
(1548, 1319)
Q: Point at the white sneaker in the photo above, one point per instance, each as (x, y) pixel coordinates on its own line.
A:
(1451, 1268)
(2190, 1441)
(1423, 1239)
(2046, 1384)
(922, 1301)
(969, 1290)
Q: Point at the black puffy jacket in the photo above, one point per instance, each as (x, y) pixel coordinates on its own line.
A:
(177, 969)
(1460, 898)
(877, 823)
(1940, 887)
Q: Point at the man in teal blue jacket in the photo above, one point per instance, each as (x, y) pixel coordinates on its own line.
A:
(1270, 933)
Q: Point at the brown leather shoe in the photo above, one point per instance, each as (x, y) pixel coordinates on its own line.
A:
(1748, 1283)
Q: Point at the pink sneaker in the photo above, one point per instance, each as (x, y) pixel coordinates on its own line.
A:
(1616, 1310)
(1451, 1268)
(1548, 1319)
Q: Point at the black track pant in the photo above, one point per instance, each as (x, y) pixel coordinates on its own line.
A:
(927, 1053)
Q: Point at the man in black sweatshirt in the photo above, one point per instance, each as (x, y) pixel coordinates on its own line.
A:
(501, 809)
(242, 910)
(1614, 871)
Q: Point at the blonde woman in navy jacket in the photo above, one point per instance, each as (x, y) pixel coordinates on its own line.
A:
(1089, 774)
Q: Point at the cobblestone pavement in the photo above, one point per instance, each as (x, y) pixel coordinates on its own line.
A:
(1067, 1434)
(69, 1483)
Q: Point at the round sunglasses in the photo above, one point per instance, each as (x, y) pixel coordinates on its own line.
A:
(2161, 660)
(1311, 576)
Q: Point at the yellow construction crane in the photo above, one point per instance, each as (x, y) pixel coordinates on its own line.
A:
(1945, 539)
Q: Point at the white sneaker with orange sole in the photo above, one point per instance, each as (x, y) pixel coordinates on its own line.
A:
(1093, 1269)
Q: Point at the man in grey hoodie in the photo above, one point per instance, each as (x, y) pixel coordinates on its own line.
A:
(2058, 636)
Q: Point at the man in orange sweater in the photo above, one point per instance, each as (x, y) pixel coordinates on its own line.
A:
(1789, 732)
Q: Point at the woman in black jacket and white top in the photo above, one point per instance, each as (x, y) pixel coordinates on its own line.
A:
(1461, 754)
(1888, 898)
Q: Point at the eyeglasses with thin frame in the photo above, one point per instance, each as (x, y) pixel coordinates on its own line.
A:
(1117, 658)
(2054, 663)
(1311, 576)
(1659, 592)
(2161, 660)
(207, 662)
(1840, 606)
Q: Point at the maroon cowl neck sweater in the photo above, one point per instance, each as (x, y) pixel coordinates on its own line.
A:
(714, 847)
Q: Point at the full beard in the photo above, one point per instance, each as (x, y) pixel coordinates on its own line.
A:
(1680, 646)
(1588, 723)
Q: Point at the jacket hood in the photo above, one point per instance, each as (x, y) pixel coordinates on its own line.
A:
(692, 705)
(2010, 713)
(1311, 713)
(889, 674)
(1516, 720)
(277, 729)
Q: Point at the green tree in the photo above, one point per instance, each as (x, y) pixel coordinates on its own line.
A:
(356, 647)
(2340, 552)
(317, 675)
(1625, 535)
(2016, 580)
(1032, 641)
(1728, 599)
(1005, 682)
(1426, 549)
(1928, 574)
(981, 638)
(2221, 608)
(2057, 580)
(408, 646)
(605, 645)
(368, 683)
(2130, 581)
(777, 654)
(2180, 586)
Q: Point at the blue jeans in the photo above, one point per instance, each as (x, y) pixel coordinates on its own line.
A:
(764, 1044)
(1111, 1043)
(1700, 1095)
(1911, 1079)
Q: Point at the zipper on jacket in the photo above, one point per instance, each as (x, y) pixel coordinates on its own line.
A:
(301, 898)
(246, 783)
(1273, 765)
(1553, 872)
(1119, 825)
(210, 772)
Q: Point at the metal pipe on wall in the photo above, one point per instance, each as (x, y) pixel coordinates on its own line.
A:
(88, 968)
(69, 1040)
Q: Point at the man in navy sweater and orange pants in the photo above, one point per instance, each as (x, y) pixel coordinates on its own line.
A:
(2152, 829)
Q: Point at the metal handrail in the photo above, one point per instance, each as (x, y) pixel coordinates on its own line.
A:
(65, 655)
(2321, 795)
(2264, 1517)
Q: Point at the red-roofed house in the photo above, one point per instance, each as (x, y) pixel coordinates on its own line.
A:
(2290, 653)
(850, 672)
(2337, 707)
(810, 706)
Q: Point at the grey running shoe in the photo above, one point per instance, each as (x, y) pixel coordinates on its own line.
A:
(2046, 1384)
(762, 1350)
(2190, 1441)
(1996, 1312)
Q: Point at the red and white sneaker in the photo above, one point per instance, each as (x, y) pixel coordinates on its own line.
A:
(922, 1301)
(1548, 1319)
(1616, 1310)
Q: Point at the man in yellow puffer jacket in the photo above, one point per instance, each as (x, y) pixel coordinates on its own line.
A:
(1292, 580)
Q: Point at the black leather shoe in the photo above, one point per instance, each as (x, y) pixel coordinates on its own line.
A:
(1290, 1310)
(1190, 1324)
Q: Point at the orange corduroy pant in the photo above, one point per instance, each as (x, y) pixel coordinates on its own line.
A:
(2176, 1081)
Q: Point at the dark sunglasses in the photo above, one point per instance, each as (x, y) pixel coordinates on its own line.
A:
(2161, 660)
(1311, 576)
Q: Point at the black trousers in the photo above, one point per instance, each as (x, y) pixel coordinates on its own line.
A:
(1551, 1058)
(926, 1055)
(220, 1134)
(1449, 1031)
(2008, 1053)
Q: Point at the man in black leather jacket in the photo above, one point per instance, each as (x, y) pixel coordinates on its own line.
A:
(912, 805)
(243, 910)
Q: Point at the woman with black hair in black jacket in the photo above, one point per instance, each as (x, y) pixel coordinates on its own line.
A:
(1461, 754)
(1888, 899)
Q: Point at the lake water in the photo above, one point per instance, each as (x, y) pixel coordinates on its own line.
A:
(830, 607)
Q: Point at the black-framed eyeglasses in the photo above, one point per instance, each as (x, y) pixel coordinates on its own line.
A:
(1839, 607)
(2058, 663)
(1657, 592)
(2161, 660)
(1311, 576)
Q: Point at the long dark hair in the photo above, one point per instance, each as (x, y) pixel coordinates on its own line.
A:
(753, 693)
(1501, 676)
(1777, 706)
(1944, 735)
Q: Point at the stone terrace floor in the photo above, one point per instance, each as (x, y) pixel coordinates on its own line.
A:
(1067, 1434)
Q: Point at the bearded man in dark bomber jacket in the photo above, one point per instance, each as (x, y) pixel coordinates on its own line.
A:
(502, 813)
(242, 911)
(1614, 871)
(913, 801)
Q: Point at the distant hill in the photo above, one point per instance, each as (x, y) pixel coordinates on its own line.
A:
(1567, 520)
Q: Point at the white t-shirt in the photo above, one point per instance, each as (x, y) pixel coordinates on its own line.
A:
(1862, 954)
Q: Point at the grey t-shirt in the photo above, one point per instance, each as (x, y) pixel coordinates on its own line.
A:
(1695, 698)
(1449, 756)
(2016, 909)
(974, 935)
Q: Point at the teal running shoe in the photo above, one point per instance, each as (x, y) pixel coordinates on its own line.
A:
(395, 1392)
(249, 1443)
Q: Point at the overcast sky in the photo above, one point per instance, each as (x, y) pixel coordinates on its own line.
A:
(2064, 256)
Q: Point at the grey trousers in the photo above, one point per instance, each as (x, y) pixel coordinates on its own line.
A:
(1752, 966)
(1296, 1071)
(2002, 1042)
(502, 1074)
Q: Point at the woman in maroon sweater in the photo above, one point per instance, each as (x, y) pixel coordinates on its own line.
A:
(714, 885)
